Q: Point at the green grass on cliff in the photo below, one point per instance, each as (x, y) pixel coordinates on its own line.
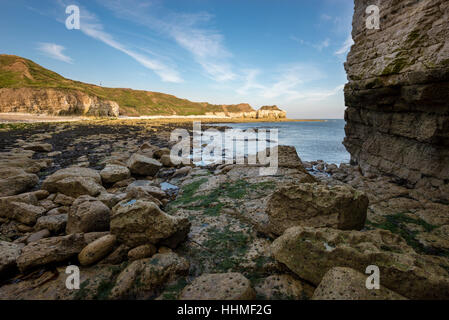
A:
(17, 72)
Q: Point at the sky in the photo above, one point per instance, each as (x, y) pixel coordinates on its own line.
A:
(288, 53)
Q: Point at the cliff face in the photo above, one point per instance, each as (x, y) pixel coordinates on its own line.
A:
(28, 87)
(397, 97)
(55, 102)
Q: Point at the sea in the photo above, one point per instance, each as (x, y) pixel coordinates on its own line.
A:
(313, 140)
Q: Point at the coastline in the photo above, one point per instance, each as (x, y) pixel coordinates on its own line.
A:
(41, 118)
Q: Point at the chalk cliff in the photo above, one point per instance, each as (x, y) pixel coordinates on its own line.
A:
(397, 97)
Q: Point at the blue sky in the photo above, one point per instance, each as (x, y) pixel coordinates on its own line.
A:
(263, 52)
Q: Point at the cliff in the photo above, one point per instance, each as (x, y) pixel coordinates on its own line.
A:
(28, 87)
(397, 97)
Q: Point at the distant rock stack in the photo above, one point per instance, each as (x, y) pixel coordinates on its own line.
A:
(271, 112)
(398, 92)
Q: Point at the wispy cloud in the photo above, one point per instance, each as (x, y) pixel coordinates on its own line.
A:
(250, 82)
(319, 46)
(54, 51)
(345, 47)
(91, 26)
(192, 32)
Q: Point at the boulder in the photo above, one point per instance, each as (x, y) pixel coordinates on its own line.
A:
(74, 182)
(283, 287)
(38, 236)
(141, 165)
(38, 147)
(113, 173)
(96, 250)
(138, 222)
(23, 208)
(141, 252)
(166, 161)
(88, 214)
(63, 200)
(117, 256)
(143, 277)
(316, 205)
(349, 284)
(142, 189)
(287, 157)
(56, 223)
(50, 250)
(15, 181)
(310, 253)
(9, 252)
(159, 153)
(219, 286)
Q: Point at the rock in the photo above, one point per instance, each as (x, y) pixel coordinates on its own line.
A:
(166, 161)
(311, 252)
(141, 252)
(56, 224)
(44, 233)
(74, 182)
(58, 211)
(143, 277)
(283, 287)
(138, 222)
(63, 200)
(316, 205)
(182, 172)
(349, 284)
(159, 153)
(88, 214)
(54, 153)
(220, 286)
(15, 180)
(22, 208)
(42, 194)
(117, 256)
(38, 147)
(97, 250)
(114, 173)
(287, 157)
(143, 166)
(9, 252)
(50, 250)
(110, 199)
(140, 189)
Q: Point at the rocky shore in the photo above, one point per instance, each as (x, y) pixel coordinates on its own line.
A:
(105, 197)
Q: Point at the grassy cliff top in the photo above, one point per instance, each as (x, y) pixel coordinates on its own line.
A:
(18, 72)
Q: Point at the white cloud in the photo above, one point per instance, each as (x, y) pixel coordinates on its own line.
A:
(54, 51)
(345, 47)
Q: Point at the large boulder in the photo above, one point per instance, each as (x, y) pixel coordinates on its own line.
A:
(88, 214)
(15, 180)
(283, 287)
(96, 250)
(316, 205)
(143, 166)
(74, 182)
(9, 252)
(23, 208)
(113, 173)
(137, 222)
(349, 284)
(287, 157)
(50, 250)
(143, 277)
(219, 286)
(310, 253)
(55, 223)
